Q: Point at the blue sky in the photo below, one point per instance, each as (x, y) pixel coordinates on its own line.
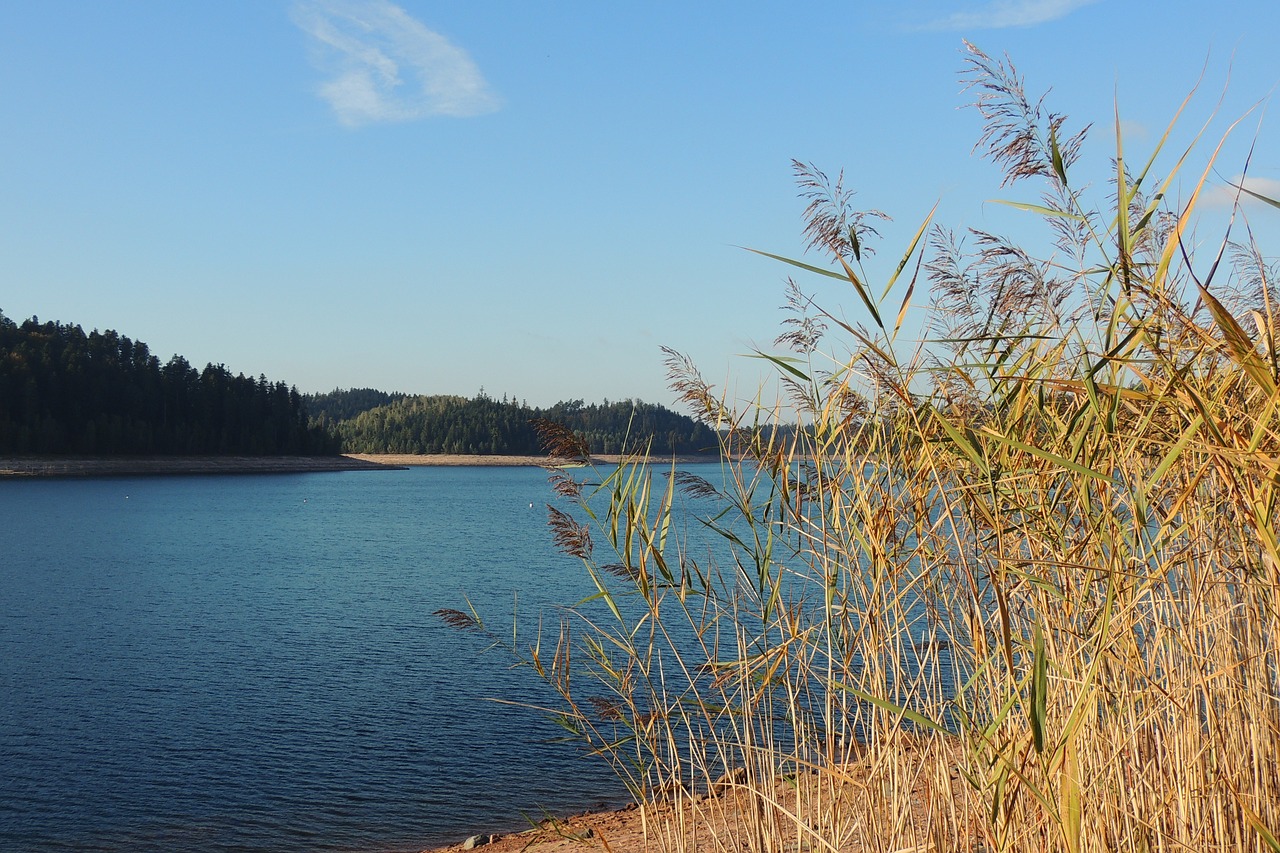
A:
(532, 198)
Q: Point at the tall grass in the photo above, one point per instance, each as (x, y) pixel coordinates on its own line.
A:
(1016, 587)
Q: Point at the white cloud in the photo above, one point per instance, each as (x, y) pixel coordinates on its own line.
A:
(1002, 14)
(1226, 195)
(1131, 131)
(386, 66)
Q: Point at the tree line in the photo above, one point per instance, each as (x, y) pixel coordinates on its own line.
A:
(63, 391)
(483, 425)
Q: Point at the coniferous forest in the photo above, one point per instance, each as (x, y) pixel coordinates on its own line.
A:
(483, 425)
(67, 392)
(63, 391)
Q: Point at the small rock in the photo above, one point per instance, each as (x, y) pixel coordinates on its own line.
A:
(476, 841)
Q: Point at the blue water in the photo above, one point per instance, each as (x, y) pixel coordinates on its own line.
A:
(252, 663)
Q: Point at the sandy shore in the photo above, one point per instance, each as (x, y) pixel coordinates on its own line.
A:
(62, 466)
(721, 820)
(409, 460)
(66, 466)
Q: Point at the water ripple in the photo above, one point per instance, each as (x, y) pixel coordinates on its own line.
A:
(216, 664)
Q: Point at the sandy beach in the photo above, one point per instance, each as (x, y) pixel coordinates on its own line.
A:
(722, 819)
(412, 460)
(66, 466)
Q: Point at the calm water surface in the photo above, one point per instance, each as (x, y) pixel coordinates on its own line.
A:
(252, 664)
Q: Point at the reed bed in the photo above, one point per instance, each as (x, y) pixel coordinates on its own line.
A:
(1012, 588)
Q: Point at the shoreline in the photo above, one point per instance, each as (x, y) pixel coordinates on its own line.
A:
(721, 814)
(66, 467)
(412, 460)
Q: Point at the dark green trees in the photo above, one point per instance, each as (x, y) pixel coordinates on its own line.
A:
(63, 391)
(483, 425)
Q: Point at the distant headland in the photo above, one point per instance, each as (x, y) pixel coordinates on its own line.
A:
(74, 396)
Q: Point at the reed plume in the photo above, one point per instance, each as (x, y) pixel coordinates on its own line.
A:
(1012, 587)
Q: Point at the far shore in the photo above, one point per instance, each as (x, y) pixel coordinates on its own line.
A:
(417, 459)
(24, 467)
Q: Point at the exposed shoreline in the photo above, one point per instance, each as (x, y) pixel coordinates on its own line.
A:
(51, 467)
(722, 816)
(42, 467)
(410, 460)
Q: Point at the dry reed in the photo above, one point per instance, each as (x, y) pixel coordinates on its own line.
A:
(1018, 589)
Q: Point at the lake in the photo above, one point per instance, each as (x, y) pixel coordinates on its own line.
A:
(252, 663)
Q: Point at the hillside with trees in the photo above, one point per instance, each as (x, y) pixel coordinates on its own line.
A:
(67, 392)
(345, 404)
(483, 425)
(63, 391)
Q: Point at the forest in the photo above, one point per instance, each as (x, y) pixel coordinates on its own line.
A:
(483, 425)
(63, 391)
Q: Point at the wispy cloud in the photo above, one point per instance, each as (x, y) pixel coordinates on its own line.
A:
(1132, 131)
(1226, 195)
(1002, 14)
(387, 67)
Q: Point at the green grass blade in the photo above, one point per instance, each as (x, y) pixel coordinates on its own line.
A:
(1038, 710)
(911, 249)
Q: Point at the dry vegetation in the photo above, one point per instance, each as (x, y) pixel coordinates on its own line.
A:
(1016, 589)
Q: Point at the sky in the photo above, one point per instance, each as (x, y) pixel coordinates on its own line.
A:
(532, 199)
